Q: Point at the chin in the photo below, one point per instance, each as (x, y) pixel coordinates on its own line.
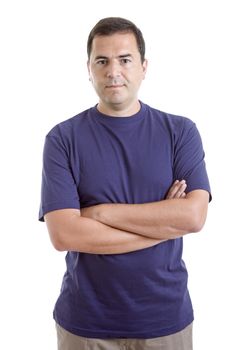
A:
(116, 100)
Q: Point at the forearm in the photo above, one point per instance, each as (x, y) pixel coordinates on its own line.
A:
(86, 235)
(167, 219)
(91, 236)
(153, 220)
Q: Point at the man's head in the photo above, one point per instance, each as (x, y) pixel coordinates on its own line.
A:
(116, 65)
(112, 25)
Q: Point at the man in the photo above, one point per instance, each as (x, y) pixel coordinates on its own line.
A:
(122, 183)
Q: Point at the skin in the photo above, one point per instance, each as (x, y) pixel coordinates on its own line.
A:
(168, 219)
(71, 230)
(116, 72)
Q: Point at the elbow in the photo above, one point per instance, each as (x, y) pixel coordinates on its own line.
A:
(196, 227)
(57, 241)
(59, 246)
(197, 209)
(197, 221)
(62, 228)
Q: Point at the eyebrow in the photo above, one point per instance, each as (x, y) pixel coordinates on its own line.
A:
(120, 56)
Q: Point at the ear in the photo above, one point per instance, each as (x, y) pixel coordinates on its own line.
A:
(88, 68)
(144, 67)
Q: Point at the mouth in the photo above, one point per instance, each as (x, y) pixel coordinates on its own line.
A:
(114, 86)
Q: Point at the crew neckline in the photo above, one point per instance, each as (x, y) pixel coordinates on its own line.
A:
(119, 120)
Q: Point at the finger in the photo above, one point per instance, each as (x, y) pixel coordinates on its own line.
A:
(176, 189)
(180, 191)
(173, 189)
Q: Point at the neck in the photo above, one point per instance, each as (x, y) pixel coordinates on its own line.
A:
(119, 110)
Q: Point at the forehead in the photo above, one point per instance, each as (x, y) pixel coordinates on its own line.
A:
(114, 45)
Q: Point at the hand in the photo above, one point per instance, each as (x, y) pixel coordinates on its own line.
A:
(177, 190)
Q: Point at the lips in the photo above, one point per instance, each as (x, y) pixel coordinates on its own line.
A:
(114, 86)
(118, 85)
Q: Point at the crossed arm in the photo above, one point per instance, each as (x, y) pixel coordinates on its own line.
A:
(122, 228)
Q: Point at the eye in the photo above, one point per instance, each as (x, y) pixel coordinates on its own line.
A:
(125, 61)
(101, 62)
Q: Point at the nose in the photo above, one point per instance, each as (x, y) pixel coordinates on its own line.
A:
(113, 69)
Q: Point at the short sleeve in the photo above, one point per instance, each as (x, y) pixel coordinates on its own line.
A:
(189, 158)
(58, 188)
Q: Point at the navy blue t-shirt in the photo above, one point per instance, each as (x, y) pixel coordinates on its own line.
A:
(92, 159)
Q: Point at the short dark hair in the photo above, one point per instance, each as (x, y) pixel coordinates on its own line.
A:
(112, 25)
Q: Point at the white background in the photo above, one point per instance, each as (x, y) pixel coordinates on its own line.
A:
(44, 81)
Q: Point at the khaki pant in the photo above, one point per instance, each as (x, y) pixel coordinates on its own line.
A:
(178, 341)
